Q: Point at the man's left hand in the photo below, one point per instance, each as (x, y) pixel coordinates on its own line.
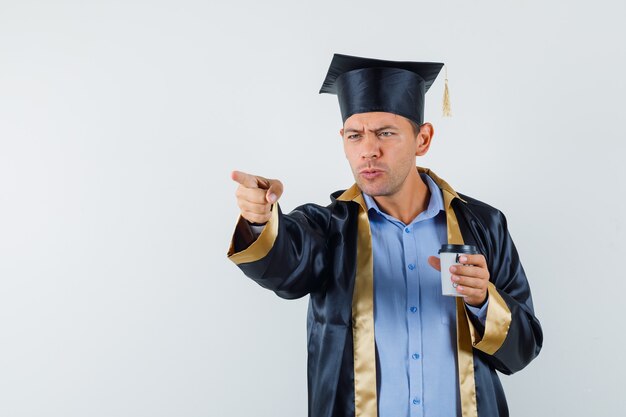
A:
(471, 278)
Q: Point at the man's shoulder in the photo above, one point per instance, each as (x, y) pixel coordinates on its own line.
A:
(477, 208)
(335, 195)
(476, 203)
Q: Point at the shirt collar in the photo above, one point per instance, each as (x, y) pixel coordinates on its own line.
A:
(435, 205)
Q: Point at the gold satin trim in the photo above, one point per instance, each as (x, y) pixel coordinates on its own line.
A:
(445, 187)
(363, 311)
(465, 354)
(496, 325)
(351, 194)
(261, 246)
(364, 345)
(464, 336)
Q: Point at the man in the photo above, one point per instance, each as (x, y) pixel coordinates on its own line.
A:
(382, 339)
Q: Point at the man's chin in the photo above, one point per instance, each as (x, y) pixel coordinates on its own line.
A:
(374, 190)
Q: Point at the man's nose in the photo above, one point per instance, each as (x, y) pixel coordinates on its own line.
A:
(370, 146)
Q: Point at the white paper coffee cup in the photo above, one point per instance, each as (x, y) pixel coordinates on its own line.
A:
(449, 255)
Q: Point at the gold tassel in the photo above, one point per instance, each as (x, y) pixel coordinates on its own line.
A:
(447, 112)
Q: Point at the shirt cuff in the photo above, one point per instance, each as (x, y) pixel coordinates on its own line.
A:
(257, 229)
(479, 312)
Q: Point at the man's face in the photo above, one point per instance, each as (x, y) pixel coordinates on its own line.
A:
(381, 149)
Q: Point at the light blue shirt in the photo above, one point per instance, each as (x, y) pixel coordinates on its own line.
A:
(415, 326)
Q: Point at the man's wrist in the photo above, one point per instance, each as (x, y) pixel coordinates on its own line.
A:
(256, 224)
(481, 304)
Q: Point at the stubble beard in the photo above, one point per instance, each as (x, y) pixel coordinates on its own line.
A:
(386, 185)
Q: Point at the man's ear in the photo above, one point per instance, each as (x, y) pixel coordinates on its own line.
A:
(424, 138)
(341, 132)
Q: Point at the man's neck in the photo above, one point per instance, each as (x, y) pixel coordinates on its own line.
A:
(406, 204)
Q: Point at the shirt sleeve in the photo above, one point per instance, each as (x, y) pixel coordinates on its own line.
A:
(257, 229)
(479, 312)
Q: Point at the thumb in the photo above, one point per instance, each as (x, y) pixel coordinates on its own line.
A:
(274, 191)
(434, 262)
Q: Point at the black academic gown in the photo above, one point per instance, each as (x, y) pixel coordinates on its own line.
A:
(313, 250)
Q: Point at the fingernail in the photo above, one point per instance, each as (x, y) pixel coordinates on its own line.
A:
(455, 278)
(453, 269)
(463, 259)
(272, 198)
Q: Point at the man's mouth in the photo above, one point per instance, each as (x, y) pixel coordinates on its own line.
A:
(371, 173)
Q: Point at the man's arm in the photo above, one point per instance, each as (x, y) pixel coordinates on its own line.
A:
(289, 256)
(497, 298)
(512, 335)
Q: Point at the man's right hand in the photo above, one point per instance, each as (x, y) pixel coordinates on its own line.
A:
(255, 196)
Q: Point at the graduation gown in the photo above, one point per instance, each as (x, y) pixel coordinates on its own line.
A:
(326, 252)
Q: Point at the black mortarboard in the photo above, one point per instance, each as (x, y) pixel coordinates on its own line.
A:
(368, 85)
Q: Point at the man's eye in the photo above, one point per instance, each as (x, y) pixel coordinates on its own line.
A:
(352, 137)
(385, 133)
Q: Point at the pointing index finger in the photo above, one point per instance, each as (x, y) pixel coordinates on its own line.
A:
(248, 180)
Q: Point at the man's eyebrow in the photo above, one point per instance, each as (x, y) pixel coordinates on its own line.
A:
(387, 127)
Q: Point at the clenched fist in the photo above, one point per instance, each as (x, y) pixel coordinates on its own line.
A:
(255, 196)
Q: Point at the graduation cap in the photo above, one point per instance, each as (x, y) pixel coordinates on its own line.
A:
(368, 85)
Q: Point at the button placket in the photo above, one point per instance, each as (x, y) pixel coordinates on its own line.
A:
(414, 321)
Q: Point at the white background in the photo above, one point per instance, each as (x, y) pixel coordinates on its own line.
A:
(120, 122)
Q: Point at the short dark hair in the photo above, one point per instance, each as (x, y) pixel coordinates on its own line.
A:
(415, 126)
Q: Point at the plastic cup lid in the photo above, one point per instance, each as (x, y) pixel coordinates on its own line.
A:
(470, 249)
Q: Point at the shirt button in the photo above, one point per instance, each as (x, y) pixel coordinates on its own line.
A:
(407, 230)
(416, 401)
(416, 356)
(413, 309)
(411, 267)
